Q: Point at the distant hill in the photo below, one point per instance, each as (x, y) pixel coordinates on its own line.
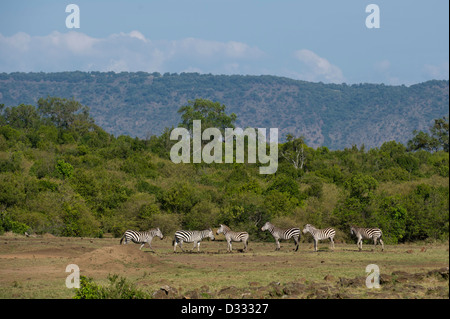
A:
(332, 115)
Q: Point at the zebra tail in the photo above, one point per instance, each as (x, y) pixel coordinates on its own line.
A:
(121, 239)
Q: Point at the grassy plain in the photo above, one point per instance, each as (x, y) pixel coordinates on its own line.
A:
(35, 268)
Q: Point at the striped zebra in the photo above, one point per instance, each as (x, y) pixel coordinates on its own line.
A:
(233, 236)
(320, 234)
(190, 236)
(367, 233)
(285, 234)
(141, 237)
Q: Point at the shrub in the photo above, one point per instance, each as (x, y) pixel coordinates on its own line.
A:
(9, 224)
(118, 288)
(64, 169)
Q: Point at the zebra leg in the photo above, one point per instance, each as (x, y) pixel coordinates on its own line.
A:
(382, 244)
(332, 243)
(296, 240)
(278, 244)
(141, 246)
(231, 246)
(315, 244)
(179, 243)
(359, 243)
(245, 245)
(196, 244)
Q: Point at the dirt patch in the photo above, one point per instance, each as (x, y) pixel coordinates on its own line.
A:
(398, 285)
(48, 253)
(116, 257)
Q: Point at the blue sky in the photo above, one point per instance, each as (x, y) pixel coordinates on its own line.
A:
(316, 41)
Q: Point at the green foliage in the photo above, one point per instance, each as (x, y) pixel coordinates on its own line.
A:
(62, 112)
(179, 199)
(78, 221)
(212, 114)
(391, 217)
(203, 215)
(438, 139)
(118, 288)
(7, 223)
(279, 203)
(284, 184)
(64, 169)
(62, 174)
(361, 186)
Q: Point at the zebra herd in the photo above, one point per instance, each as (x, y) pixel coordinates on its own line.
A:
(195, 236)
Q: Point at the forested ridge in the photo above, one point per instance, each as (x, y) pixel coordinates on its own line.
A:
(332, 115)
(63, 174)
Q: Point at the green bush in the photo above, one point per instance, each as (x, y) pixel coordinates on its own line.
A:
(118, 288)
(64, 169)
(8, 224)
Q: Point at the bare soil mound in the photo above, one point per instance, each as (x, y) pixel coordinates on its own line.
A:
(116, 257)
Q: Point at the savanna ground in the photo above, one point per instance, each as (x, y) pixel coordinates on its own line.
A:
(34, 267)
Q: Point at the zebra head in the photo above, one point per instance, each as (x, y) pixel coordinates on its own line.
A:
(159, 233)
(307, 228)
(210, 234)
(220, 230)
(266, 226)
(352, 230)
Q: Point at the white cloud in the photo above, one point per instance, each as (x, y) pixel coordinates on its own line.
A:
(18, 41)
(137, 35)
(439, 72)
(120, 52)
(317, 68)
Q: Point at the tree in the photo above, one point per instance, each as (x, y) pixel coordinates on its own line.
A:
(293, 151)
(63, 113)
(434, 142)
(212, 114)
(22, 116)
(65, 169)
(439, 131)
(361, 186)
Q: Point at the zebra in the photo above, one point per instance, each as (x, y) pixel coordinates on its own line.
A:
(190, 236)
(367, 233)
(233, 236)
(320, 234)
(141, 237)
(285, 234)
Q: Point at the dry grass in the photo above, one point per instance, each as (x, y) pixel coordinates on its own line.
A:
(35, 267)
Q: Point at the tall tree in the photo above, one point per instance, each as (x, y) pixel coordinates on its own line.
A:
(63, 112)
(438, 139)
(294, 151)
(212, 114)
